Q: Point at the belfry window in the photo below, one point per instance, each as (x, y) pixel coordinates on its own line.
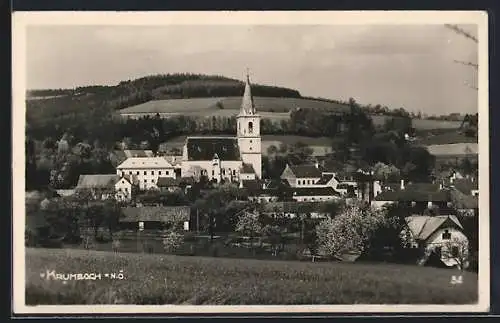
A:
(250, 127)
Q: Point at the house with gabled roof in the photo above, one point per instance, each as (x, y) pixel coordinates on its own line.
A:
(155, 217)
(443, 234)
(146, 170)
(99, 186)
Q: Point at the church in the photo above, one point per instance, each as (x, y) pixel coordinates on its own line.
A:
(221, 158)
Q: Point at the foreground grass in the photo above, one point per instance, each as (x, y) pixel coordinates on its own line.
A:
(164, 279)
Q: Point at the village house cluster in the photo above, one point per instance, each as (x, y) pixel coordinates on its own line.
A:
(239, 160)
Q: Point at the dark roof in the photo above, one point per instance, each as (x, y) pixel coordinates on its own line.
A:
(169, 181)
(204, 148)
(166, 181)
(463, 201)
(314, 191)
(422, 187)
(132, 179)
(290, 206)
(303, 171)
(157, 214)
(97, 181)
(465, 185)
(416, 196)
(324, 179)
(247, 169)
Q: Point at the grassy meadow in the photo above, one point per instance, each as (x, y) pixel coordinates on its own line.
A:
(167, 279)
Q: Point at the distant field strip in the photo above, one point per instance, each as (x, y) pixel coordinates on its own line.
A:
(454, 149)
(166, 279)
(423, 124)
(205, 105)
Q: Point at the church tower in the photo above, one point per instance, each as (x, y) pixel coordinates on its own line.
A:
(248, 132)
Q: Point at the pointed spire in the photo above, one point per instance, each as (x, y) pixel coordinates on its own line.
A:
(247, 105)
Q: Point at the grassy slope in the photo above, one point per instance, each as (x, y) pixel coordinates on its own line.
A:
(155, 279)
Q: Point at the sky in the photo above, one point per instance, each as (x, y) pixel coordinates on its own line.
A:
(410, 66)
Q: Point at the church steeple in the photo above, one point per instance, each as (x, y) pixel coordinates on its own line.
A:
(247, 105)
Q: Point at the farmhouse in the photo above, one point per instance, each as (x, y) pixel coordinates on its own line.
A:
(314, 194)
(228, 158)
(440, 234)
(155, 218)
(265, 190)
(100, 186)
(420, 196)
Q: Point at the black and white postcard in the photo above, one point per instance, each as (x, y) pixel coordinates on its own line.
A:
(205, 162)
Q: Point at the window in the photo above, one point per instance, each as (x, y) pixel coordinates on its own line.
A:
(454, 251)
(152, 181)
(159, 172)
(166, 172)
(213, 172)
(250, 141)
(223, 171)
(137, 172)
(144, 172)
(130, 172)
(308, 181)
(126, 189)
(152, 172)
(250, 127)
(234, 172)
(250, 148)
(446, 235)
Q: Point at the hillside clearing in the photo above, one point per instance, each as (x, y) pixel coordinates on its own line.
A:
(164, 279)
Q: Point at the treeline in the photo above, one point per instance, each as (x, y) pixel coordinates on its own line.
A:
(133, 92)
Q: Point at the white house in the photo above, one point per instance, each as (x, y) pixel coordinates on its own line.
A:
(125, 187)
(146, 170)
(442, 234)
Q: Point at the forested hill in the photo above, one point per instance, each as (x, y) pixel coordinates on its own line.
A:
(168, 86)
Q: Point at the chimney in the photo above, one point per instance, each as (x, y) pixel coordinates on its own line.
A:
(429, 205)
(316, 164)
(402, 184)
(440, 186)
(241, 183)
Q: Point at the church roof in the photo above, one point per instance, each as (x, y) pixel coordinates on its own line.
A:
(247, 169)
(247, 104)
(305, 171)
(204, 148)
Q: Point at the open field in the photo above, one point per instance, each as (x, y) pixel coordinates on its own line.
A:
(456, 149)
(164, 279)
(423, 124)
(449, 137)
(208, 106)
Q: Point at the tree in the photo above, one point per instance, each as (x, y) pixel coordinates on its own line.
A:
(457, 250)
(274, 236)
(249, 225)
(172, 240)
(350, 231)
